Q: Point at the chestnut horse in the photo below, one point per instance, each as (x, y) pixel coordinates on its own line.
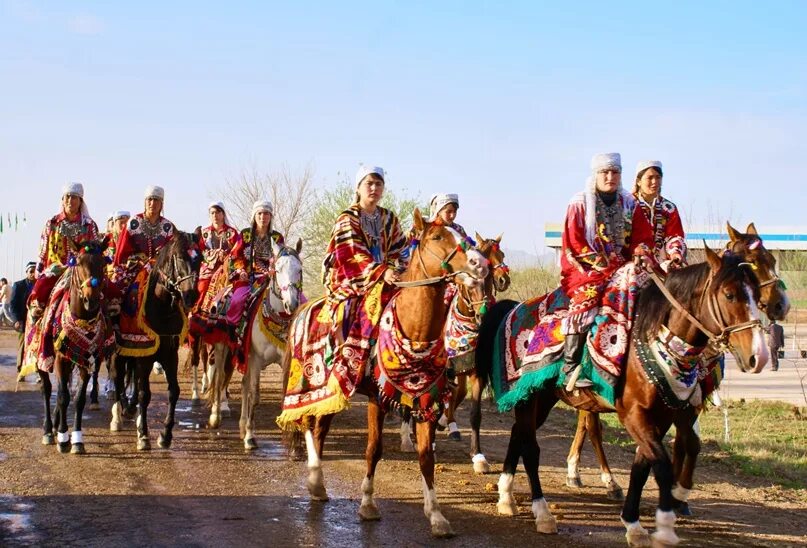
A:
(773, 301)
(709, 306)
(439, 257)
(82, 342)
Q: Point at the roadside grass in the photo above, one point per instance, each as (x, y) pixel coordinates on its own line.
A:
(766, 440)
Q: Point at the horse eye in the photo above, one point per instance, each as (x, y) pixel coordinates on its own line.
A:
(730, 296)
(437, 237)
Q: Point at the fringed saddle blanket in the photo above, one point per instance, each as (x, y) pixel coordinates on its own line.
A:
(135, 337)
(529, 344)
(683, 374)
(411, 375)
(40, 335)
(330, 345)
(461, 334)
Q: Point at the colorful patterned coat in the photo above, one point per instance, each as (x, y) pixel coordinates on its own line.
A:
(212, 242)
(139, 241)
(255, 260)
(57, 236)
(668, 232)
(586, 267)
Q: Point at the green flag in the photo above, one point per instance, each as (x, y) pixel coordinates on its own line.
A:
(1, 224)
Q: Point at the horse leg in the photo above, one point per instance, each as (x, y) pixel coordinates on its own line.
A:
(130, 410)
(456, 399)
(478, 459)
(407, 424)
(368, 511)
(63, 372)
(441, 528)
(214, 390)
(118, 364)
(208, 355)
(507, 502)
(529, 418)
(650, 453)
(686, 449)
(576, 449)
(195, 401)
(77, 436)
(47, 388)
(94, 405)
(314, 444)
(170, 363)
(143, 391)
(594, 427)
(250, 398)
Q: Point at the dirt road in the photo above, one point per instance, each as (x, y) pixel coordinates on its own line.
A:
(206, 491)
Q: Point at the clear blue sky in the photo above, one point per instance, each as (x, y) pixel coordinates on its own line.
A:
(501, 102)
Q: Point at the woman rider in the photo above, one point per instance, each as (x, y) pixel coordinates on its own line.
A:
(669, 242)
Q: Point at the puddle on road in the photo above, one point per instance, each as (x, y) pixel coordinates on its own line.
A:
(15, 519)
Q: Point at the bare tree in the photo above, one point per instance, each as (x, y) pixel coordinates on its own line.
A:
(292, 195)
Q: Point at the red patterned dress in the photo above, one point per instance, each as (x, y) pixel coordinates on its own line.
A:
(216, 246)
(668, 232)
(252, 255)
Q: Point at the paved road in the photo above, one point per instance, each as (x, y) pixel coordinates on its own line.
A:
(788, 384)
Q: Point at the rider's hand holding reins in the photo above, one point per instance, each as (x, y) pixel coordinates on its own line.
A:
(390, 276)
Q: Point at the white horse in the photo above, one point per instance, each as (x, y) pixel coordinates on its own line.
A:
(279, 301)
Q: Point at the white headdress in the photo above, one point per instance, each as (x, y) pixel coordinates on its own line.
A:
(599, 162)
(119, 214)
(439, 201)
(220, 205)
(364, 171)
(77, 189)
(154, 191)
(646, 164)
(261, 205)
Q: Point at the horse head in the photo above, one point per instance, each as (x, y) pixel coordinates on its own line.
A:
(177, 267)
(491, 250)
(287, 283)
(773, 295)
(442, 252)
(730, 299)
(89, 274)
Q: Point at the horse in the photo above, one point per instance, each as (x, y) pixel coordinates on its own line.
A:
(279, 299)
(707, 308)
(500, 278)
(773, 301)
(201, 355)
(170, 293)
(439, 255)
(81, 341)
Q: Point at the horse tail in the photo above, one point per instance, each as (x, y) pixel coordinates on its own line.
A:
(487, 337)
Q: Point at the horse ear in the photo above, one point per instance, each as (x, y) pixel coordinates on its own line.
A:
(299, 246)
(751, 229)
(734, 235)
(499, 238)
(712, 258)
(478, 237)
(417, 221)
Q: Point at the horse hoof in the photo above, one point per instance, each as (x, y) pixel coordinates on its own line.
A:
(574, 482)
(115, 426)
(48, 439)
(143, 444)
(664, 539)
(615, 493)
(317, 491)
(482, 467)
(683, 509)
(507, 508)
(546, 525)
(407, 447)
(638, 537)
(214, 421)
(130, 412)
(442, 529)
(64, 447)
(164, 441)
(78, 449)
(95, 406)
(296, 454)
(196, 402)
(369, 512)
(454, 436)
(250, 444)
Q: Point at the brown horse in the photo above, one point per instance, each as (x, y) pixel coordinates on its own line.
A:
(773, 301)
(500, 278)
(421, 312)
(82, 342)
(710, 306)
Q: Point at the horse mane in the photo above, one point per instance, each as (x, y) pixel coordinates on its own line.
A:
(653, 308)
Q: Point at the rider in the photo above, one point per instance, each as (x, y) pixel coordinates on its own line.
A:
(119, 220)
(601, 233)
(444, 207)
(670, 246)
(217, 241)
(251, 259)
(63, 234)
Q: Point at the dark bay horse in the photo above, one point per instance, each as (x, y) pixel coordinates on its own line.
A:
(773, 301)
(82, 342)
(171, 291)
(714, 310)
(421, 313)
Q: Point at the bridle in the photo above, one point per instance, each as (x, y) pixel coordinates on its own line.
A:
(171, 283)
(77, 282)
(719, 341)
(500, 266)
(774, 279)
(274, 287)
